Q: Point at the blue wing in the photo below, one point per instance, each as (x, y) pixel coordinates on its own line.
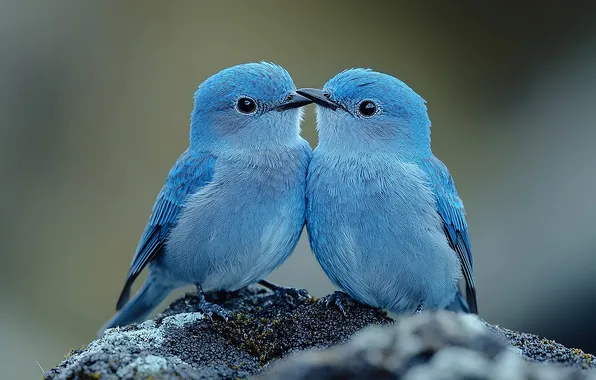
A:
(451, 210)
(190, 173)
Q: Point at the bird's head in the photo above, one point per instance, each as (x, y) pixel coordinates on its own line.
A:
(360, 109)
(254, 105)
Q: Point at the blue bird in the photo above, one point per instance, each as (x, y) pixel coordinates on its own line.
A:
(232, 207)
(383, 217)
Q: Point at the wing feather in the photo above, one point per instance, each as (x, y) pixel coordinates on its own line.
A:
(451, 209)
(190, 173)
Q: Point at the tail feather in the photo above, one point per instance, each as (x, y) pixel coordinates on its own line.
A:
(471, 299)
(147, 299)
(124, 296)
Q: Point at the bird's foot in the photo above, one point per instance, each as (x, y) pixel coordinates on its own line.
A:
(288, 293)
(211, 309)
(339, 299)
(419, 308)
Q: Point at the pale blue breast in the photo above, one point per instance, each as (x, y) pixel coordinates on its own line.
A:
(374, 228)
(244, 224)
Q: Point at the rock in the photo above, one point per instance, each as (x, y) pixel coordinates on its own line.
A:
(265, 327)
(440, 345)
(182, 342)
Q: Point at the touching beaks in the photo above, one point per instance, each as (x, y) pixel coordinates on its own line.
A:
(319, 97)
(293, 100)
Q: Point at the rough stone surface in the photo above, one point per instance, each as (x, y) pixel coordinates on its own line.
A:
(266, 327)
(182, 343)
(538, 349)
(437, 346)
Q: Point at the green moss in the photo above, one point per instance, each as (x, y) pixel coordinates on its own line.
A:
(256, 335)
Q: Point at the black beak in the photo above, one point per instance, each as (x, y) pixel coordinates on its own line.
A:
(293, 101)
(320, 97)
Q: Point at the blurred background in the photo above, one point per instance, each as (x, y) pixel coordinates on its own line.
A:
(95, 100)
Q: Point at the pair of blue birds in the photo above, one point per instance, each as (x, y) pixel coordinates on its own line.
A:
(383, 216)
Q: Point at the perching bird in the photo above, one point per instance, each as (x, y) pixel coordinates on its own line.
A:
(232, 207)
(383, 217)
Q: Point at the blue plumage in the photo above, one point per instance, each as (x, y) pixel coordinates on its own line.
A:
(187, 175)
(232, 207)
(451, 210)
(383, 216)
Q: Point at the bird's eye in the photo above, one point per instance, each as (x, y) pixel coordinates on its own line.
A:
(367, 108)
(246, 105)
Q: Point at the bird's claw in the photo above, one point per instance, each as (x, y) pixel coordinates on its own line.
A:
(339, 299)
(419, 308)
(211, 309)
(291, 294)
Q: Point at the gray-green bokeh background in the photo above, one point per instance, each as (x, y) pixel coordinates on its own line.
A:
(94, 107)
